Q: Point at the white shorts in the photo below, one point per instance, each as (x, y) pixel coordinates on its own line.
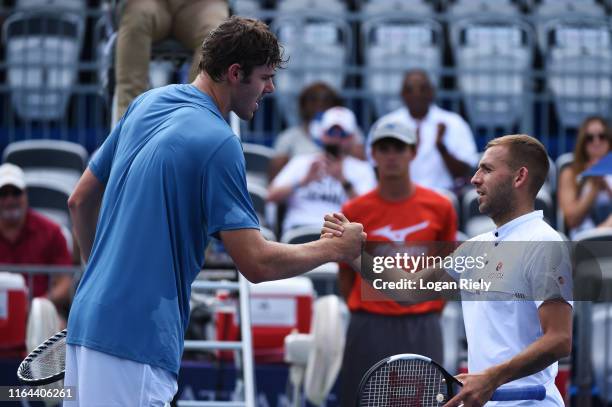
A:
(103, 380)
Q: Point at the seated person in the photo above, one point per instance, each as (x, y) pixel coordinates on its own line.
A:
(144, 22)
(27, 237)
(586, 203)
(313, 101)
(319, 183)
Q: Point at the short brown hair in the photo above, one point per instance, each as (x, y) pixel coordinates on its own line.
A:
(242, 41)
(526, 151)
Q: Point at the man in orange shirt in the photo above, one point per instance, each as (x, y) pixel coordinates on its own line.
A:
(398, 210)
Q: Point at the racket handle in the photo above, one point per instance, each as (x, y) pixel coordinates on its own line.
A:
(520, 393)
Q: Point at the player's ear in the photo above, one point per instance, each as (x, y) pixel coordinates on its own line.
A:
(521, 177)
(234, 73)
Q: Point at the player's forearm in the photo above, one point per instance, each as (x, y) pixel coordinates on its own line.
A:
(59, 293)
(275, 261)
(84, 219)
(539, 355)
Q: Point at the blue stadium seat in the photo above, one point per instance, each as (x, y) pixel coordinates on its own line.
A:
(577, 51)
(319, 44)
(493, 53)
(257, 159)
(463, 8)
(303, 234)
(50, 198)
(62, 161)
(43, 43)
(394, 43)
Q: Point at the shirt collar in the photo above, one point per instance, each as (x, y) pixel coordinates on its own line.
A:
(503, 231)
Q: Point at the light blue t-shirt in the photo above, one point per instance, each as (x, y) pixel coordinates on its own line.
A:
(175, 175)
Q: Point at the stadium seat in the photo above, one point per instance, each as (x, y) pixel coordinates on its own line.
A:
(544, 203)
(246, 8)
(494, 55)
(257, 158)
(394, 43)
(319, 44)
(602, 345)
(43, 43)
(266, 211)
(50, 198)
(595, 235)
(555, 8)
(578, 61)
(60, 160)
(469, 207)
(462, 8)
(303, 234)
(414, 7)
(477, 225)
(562, 161)
(298, 6)
(461, 236)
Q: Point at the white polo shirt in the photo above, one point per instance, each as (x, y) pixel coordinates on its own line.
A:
(428, 168)
(525, 267)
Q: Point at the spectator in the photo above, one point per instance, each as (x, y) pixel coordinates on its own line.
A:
(396, 211)
(586, 203)
(318, 183)
(446, 150)
(29, 238)
(313, 101)
(146, 21)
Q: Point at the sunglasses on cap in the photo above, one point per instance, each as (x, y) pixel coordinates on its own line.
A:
(337, 131)
(10, 191)
(589, 137)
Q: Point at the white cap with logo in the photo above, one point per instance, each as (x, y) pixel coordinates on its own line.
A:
(341, 117)
(10, 174)
(395, 130)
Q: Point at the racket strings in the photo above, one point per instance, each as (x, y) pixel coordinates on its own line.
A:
(47, 363)
(405, 383)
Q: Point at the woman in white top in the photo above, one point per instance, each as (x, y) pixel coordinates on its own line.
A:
(585, 203)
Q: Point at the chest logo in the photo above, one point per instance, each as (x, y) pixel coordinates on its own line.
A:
(399, 235)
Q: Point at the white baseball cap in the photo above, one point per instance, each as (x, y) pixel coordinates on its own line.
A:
(341, 117)
(392, 129)
(10, 174)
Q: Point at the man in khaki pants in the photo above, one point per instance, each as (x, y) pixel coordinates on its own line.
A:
(144, 22)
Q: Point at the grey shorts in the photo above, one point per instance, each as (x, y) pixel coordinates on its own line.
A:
(372, 337)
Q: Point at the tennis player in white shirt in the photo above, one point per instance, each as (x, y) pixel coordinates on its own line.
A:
(517, 339)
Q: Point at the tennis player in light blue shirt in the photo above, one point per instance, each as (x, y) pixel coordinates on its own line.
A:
(169, 176)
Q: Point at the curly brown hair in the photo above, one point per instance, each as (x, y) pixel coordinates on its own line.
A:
(238, 40)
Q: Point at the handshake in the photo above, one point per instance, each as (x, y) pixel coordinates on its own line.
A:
(348, 237)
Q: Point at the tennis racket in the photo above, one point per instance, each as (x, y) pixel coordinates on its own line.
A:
(409, 380)
(45, 364)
